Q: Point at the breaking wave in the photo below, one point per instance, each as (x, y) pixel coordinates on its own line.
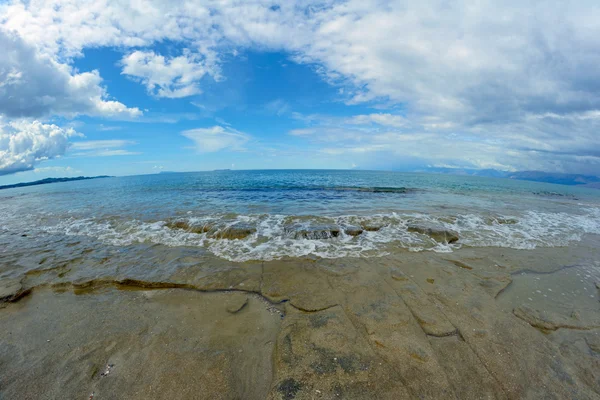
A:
(267, 237)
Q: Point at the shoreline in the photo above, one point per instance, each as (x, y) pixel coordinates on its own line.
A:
(468, 324)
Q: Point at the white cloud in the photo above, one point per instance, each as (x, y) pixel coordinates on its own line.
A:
(217, 138)
(511, 77)
(23, 144)
(102, 148)
(35, 85)
(61, 170)
(396, 121)
(167, 77)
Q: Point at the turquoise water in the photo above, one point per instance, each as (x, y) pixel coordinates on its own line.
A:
(299, 213)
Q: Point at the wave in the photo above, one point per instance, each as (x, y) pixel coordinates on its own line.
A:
(268, 237)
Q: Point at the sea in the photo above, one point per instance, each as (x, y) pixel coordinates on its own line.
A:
(278, 214)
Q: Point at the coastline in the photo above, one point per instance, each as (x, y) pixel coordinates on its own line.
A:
(467, 324)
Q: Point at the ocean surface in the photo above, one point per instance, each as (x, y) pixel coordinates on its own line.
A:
(266, 215)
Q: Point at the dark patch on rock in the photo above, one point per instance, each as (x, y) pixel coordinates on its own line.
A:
(319, 320)
(287, 352)
(289, 388)
(329, 361)
(461, 264)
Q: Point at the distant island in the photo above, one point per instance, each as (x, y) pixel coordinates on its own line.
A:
(52, 180)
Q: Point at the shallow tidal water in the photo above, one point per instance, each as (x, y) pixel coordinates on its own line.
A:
(267, 215)
(299, 285)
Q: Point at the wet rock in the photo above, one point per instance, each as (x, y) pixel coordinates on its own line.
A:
(593, 342)
(440, 235)
(184, 225)
(11, 290)
(288, 388)
(501, 221)
(178, 225)
(430, 318)
(493, 283)
(372, 226)
(397, 274)
(311, 360)
(353, 230)
(235, 231)
(466, 373)
(316, 232)
(236, 302)
(551, 321)
(305, 285)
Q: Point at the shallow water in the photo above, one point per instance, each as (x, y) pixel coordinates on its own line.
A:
(302, 213)
(131, 287)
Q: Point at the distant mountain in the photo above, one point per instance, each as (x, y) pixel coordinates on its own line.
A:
(52, 180)
(561, 179)
(537, 176)
(491, 173)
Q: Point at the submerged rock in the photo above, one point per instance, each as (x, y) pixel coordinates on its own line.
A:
(236, 231)
(551, 321)
(440, 235)
(184, 225)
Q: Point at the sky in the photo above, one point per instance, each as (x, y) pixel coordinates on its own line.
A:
(117, 87)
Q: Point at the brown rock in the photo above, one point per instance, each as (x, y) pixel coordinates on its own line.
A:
(235, 232)
(353, 230)
(440, 235)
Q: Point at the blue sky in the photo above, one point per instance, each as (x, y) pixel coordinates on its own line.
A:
(117, 87)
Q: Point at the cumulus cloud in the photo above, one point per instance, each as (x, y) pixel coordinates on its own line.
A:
(217, 138)
(515, 81)
(23, 144)
(167, 77)
(34, 85)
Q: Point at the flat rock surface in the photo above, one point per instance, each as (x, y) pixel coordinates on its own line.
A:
(472, 324)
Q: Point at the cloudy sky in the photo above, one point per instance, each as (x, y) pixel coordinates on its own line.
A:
(131, 87)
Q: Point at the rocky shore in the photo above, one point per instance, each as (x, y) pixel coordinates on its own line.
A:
(474, 324)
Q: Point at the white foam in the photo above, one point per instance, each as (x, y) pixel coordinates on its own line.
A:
(272, 239)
